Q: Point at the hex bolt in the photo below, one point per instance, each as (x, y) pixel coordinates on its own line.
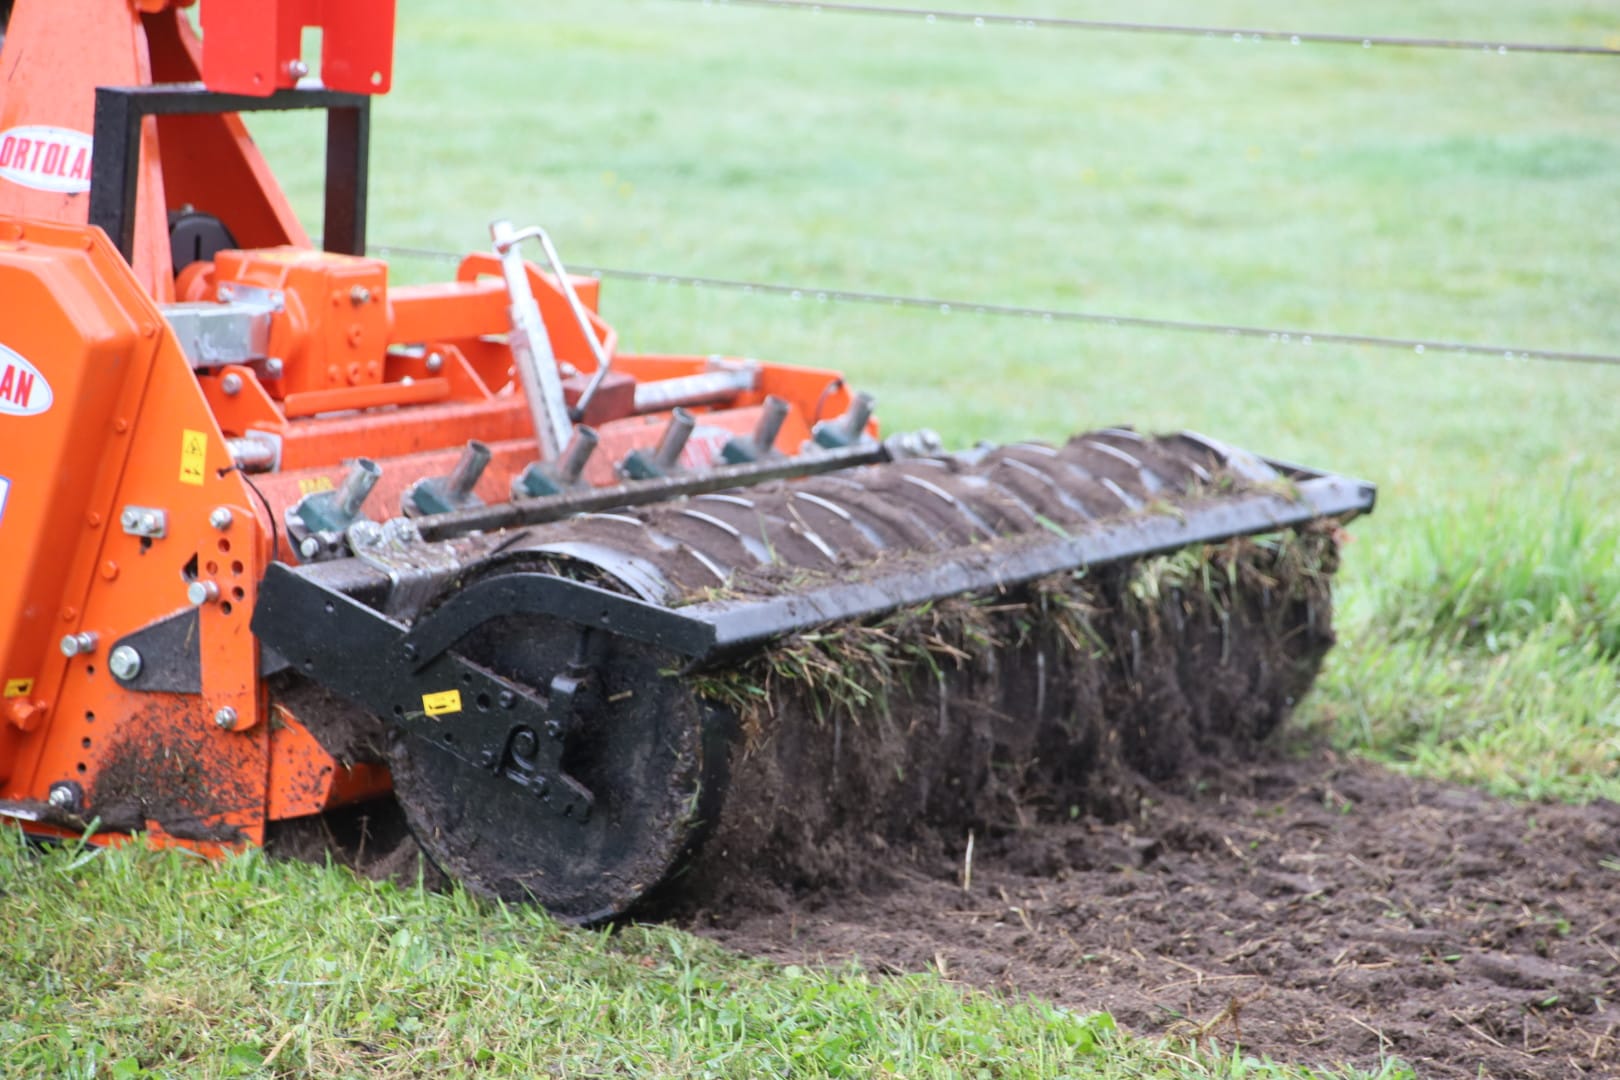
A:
(220, 518)
(225, 717)
(297, 69)
(231, 384)
(80, 644)
(148, 522)
(202, 592)
(359, 295)
(273, 368)
(309, 547)
(129, 518)
(124, 662)
(435, 361)
(65, 795)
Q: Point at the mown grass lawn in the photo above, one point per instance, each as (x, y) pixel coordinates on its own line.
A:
(1442, 195)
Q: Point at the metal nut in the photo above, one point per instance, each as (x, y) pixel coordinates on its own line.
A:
(124, 662)
(144, 521)
(225, 717)
(220, 518)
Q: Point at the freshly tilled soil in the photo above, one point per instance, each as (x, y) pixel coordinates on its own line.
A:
(1315, 909)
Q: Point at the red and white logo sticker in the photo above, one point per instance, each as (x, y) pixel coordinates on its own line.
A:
(47, 158)
(23, 390)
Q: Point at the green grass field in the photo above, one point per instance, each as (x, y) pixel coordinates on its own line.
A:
(1427, 194)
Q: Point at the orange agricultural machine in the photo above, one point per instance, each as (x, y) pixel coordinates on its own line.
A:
(278, 535)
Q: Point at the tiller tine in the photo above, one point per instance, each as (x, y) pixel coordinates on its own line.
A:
(549, 689)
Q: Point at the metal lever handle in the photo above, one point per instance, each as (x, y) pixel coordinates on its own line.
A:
(531, 348)
(581, 315)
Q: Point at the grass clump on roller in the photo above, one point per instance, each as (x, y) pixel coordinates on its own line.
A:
(991, 712)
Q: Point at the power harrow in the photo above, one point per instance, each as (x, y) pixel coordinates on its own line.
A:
(281, 536)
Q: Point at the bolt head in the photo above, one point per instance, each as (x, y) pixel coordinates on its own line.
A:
(273, 368)
(231, 384)
(221, 517)
(80, 644)
(435, 361)
(225, 717)
(297, 69)
(524, 744)
(129, 519)
(309, 547)
(201, 592)
(64, 795)
(226, 294)
(124, 663)
(359, 295)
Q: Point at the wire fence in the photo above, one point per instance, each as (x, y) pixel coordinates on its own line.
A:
(1282, 335)
(943, 306)
(1232, 33)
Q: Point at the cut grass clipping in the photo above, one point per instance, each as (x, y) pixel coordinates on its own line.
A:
(1061, 696)
(850, 670)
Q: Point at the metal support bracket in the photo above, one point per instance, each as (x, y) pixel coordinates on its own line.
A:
(445, 700)
(115, 169)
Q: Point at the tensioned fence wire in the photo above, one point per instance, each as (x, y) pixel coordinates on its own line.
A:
(1234, 33)
(1281, 335)
(1286, 335)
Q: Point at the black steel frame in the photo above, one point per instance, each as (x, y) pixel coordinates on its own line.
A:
(115, 168)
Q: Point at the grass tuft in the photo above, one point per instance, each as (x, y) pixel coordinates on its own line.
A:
(1493, 575)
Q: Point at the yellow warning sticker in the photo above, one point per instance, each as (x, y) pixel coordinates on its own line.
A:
(193, 456)
(309, 485)
(445, 701)
(19, 687)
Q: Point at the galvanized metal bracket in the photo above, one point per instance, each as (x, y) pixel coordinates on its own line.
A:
(167, 656)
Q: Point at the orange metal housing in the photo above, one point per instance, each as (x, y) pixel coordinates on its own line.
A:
(103, 416)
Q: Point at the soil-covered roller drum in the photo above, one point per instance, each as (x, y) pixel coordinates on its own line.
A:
(790, 679)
